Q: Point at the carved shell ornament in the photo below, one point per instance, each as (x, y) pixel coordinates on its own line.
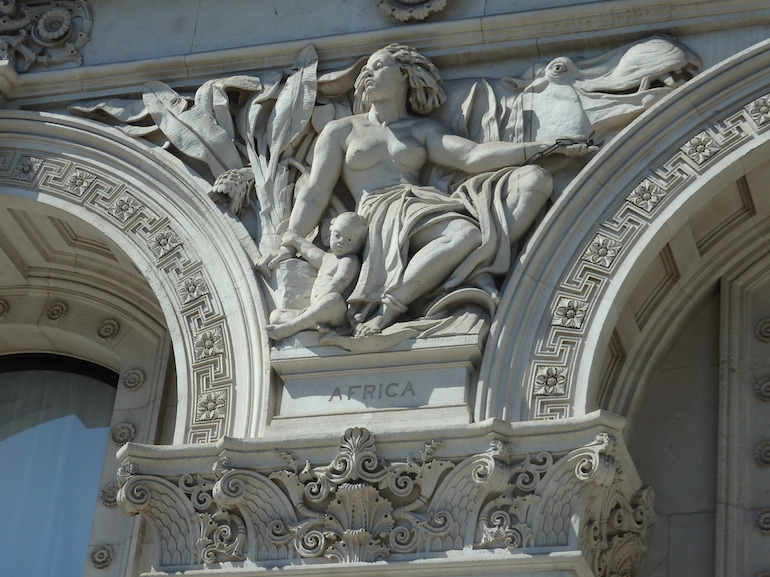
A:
(408, 10)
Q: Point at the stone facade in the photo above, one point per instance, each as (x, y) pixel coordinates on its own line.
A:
(545, 355)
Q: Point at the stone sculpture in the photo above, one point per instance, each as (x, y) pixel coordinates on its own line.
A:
(337, 270)
(420, 239)
(447, 187)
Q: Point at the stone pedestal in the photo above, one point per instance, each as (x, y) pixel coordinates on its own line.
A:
(416, 380)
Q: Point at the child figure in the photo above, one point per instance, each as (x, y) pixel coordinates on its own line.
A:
(337, 271)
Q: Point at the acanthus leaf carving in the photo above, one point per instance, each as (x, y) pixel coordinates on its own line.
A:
(360, 508)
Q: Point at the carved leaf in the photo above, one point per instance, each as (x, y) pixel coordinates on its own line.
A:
(461, 494)
(212, 98)
(252, 125)
(294, 106)
(168, 510)
(261, 503)
(287, 125)
(192, 131)
(121, 109)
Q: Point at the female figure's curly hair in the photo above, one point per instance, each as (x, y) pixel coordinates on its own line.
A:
(425, 93)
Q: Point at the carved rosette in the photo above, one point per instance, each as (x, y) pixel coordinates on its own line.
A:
(410, 10)
(762, 389)
(123, 433)
(44, 33)
(27, 168)
(133, 379)
(762, 454)
(359, 508)
(101, 556)
(762, 521)
(108, 329)
(109, 495)
(56, 311)
(762, 330)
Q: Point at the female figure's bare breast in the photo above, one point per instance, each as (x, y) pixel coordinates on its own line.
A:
(379, 156)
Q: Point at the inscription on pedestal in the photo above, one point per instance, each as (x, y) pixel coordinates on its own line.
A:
(381, 391)
(317, 381)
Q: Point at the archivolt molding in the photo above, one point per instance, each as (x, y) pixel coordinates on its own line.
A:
(150, 206)
(360, 508)
(612, 216)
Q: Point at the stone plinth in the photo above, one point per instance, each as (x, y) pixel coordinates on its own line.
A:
(417, 379)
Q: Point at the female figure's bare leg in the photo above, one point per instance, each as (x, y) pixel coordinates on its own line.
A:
(437, 251)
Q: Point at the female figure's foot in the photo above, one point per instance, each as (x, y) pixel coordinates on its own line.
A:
(371, 327)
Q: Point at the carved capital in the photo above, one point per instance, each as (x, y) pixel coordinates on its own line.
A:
(361, 508)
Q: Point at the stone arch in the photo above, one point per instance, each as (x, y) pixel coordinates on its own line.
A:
(157, 213)
(617, 217)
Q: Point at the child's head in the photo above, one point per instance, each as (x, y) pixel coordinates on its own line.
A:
(348, 233)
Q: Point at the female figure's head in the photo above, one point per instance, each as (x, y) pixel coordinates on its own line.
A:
(423, 81)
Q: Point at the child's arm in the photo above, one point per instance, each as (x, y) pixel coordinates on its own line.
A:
(310, 252)
(346, 274)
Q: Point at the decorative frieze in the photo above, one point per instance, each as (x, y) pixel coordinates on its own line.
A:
(139, 220)
(361, 508)
(587, 278)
